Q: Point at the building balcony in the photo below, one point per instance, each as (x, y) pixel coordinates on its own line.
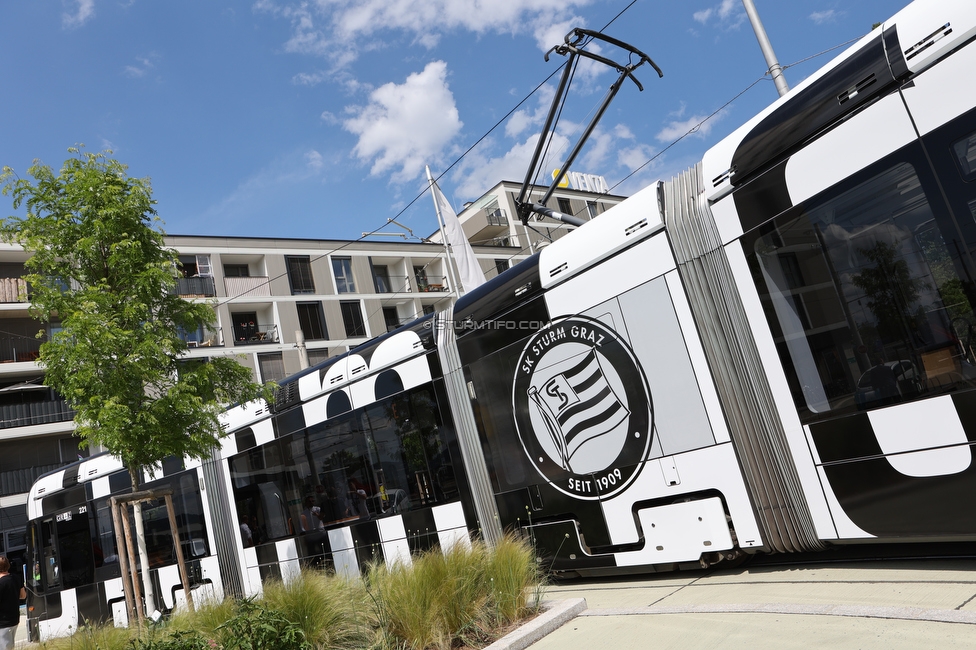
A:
(258, 335)
(30, 413)
(19, 481)
(255, 285)
(13, 290)
(486, 224)
(433, 284)
(195, 288)
(19, 349)
(204, 338)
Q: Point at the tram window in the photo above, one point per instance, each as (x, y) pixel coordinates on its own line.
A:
(103, 540)
(188, 512)
(50, 569)
(77, 566)
(965, 152)
(340, 459)
(864, 298)
(259, 491)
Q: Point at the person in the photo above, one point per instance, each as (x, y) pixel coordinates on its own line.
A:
(11, 593)
(359, 498)
(311, 517)
(246, 535)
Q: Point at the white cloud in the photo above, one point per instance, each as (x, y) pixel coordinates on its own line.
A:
(634, 157)
(828, 16)
(339, 29)
(86, 9)
(313, 160)
(478, 172)
(729, 15)
(309, 78)
(524, 119)
(406, 126)
(696, 125)
(143, 66)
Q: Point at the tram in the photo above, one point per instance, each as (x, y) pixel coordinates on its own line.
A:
(771, 352)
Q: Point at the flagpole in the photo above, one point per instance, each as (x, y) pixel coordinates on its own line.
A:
(455, 289)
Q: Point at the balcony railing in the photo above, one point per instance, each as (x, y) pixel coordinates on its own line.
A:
(432, 283)
(30, 413)
(13, 290)
(496, 217)
(195, 287)
(263, 334)
(18, 481)
(19, 348)
(204, 339)
(255, 285)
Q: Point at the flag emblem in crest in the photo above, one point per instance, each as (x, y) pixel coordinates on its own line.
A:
(578, 405)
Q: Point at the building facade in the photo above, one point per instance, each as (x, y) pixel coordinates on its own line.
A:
(272, 298)
(492, 220)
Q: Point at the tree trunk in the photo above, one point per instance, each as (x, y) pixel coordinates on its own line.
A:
(141, 545)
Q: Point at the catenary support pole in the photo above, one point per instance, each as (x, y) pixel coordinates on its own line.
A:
(775, 69)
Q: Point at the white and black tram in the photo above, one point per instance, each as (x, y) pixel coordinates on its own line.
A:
(772, 352)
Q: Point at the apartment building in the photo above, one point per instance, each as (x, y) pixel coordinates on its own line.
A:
(279, 303)
(492, 220)
(272, 297)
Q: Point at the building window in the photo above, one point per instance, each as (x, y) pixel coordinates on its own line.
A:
(381, 279)
(342, 270)
(352, 318)
(195, 266)
(317, 356)
(271, 366)
(428, 309)
(564, 206)
(312, 321)
(501, 266)
(591, 209)
(300, 274)
(236, 271)
(391, 318)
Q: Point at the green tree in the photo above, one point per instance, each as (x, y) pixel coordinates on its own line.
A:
(100, 268)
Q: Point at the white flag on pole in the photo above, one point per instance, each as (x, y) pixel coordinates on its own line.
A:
(469, 270)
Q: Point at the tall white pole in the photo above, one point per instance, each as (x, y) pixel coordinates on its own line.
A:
(775, 69)
(455, 289)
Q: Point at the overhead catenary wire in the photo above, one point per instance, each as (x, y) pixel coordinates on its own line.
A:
(502, 120)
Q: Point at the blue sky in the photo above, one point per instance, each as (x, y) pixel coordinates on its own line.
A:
(315, 118)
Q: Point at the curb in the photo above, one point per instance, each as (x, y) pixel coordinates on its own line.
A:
(555, 614)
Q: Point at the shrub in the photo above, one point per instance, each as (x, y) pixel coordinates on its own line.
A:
(206, 618)
(258, 627)
(455, 597)
(326, 608)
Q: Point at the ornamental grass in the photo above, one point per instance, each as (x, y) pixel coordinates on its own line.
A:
(439, 601)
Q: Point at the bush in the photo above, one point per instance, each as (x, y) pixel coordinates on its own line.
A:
(257, 627)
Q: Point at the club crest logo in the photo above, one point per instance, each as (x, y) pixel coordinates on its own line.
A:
(582, 408)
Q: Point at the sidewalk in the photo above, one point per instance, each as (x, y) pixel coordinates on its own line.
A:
(889, 605)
